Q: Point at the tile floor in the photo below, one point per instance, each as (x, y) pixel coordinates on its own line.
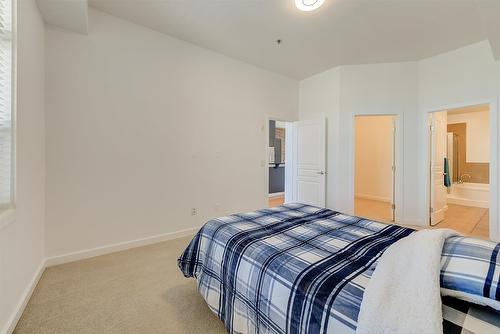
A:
(464, 219)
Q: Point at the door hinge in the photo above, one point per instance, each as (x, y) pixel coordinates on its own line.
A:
(393, 168)
(431, 210)
(393, 206)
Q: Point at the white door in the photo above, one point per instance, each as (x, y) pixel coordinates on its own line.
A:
(310, 159)
(439, 139)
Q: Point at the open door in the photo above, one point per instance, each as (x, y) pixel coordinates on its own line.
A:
(439, 140)
(310, 161)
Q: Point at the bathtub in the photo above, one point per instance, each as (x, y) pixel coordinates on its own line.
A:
(470, 194)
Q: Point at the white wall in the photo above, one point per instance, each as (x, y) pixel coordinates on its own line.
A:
(131, 149)
(457, 77)
(380, 89)
(374, 157)
(410, 90)
(142, 127)
(478, 134)
(344, 92)
(319, 96)
(21, 242)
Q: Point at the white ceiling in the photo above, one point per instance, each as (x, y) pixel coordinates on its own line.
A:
(342, 32)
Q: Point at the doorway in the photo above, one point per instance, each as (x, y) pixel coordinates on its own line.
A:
(375, 167)
(296, 162)
(460, 142)
(276, 159)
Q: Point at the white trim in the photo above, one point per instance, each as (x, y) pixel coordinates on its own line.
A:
(374, 198)
(274, 195)
(289, 162)
(14, 83)
(493, 114)
(102, 250)
(493, 189)
(18, 311)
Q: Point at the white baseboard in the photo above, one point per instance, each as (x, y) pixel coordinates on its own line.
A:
(88, 253)
(16, 315)
(374, 198)
(274, 195)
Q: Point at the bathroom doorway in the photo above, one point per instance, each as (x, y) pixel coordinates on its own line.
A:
(278, 154)
(459, 169)
(375, 167)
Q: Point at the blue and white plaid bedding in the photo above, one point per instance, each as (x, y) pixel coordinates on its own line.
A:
(289, 269)
(470, 269)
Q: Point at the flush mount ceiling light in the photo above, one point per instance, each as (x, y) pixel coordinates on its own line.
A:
(308, 5)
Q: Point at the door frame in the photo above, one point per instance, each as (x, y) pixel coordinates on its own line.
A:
(494, 224)
(398, 194)
(431, 184)
(288, 157)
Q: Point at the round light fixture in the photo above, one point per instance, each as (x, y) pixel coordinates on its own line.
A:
(308, 5)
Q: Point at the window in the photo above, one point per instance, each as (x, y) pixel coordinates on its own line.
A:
(6, 119)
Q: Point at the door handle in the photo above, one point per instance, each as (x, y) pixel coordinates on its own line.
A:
(321, 173)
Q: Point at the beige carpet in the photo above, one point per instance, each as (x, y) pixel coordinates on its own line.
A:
(135, 291)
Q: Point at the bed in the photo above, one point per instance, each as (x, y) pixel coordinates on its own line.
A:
(302, 269)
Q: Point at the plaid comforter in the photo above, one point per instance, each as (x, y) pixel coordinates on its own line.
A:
(289, 269)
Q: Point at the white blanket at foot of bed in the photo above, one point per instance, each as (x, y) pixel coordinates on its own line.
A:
(403, 295)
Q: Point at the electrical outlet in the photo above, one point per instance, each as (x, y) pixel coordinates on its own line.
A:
(194, 212)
